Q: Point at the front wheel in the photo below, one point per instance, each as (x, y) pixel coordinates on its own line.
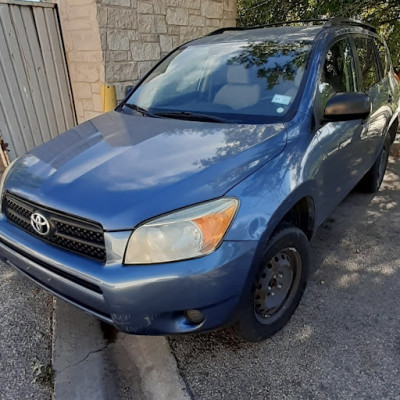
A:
(278, 285)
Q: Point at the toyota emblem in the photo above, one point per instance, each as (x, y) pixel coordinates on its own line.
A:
(40, 224)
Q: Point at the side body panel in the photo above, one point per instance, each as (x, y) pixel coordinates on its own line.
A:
(375, 127)
(324, 165)
(271, 191)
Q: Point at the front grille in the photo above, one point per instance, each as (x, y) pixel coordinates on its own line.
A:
(66, 231)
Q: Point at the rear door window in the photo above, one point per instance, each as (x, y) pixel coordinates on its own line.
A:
(383, 57)
(368, 64)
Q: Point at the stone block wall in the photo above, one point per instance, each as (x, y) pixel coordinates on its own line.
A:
(135, 34)
(118, 41)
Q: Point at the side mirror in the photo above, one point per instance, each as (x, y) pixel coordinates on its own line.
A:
(347, 106)
(128, 90)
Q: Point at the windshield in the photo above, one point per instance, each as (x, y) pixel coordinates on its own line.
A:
(239, 82)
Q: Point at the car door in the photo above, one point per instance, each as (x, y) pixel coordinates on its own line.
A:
(337, 139)
(390, 81)
(375, 83)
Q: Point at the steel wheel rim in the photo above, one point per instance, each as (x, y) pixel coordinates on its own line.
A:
(277, 285)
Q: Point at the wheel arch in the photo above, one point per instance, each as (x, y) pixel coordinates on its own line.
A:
(302, 215)
(298, 210)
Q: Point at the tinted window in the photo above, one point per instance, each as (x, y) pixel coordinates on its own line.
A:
(238, 81)
(366, 55)
(339, 67)
(338, 74)
(383, 57)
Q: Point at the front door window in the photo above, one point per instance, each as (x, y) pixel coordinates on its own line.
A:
(338, 74)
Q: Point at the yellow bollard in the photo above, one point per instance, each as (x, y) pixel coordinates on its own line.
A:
(108, 97)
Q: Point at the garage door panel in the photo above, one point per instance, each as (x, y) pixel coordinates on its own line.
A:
(35, 95)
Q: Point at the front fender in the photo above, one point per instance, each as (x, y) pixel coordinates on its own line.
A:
(267, 196)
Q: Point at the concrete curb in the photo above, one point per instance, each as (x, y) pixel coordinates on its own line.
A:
(93, 360)
(158, 372)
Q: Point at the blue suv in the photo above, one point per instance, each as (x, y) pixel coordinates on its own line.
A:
(191, 206)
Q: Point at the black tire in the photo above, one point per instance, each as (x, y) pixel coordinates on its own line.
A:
(273, 298)
(372, 180)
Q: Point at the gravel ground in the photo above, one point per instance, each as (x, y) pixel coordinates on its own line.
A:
(25, 338)
(344, 340)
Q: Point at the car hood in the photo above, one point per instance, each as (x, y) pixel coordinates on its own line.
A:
(120, 169)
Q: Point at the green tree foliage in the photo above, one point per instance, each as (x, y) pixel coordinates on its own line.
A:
(383, 14)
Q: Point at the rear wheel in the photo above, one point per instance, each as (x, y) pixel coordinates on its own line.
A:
(372, 180)
(278, 285)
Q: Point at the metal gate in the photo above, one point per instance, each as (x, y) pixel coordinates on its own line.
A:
(35, 95)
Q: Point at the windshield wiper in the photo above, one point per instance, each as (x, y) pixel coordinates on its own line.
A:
(141, 110)
(192, 116)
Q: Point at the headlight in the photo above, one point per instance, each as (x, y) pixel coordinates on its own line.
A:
(3, 179)
(191, 232)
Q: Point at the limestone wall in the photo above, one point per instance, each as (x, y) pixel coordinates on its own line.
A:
(118, 41)
(136, 33)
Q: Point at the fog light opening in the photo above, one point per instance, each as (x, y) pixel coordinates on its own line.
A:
(195, 317)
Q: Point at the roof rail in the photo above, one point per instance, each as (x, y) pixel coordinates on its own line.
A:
(230, 28)
(349, 21)
(281, 23)
(327, 24)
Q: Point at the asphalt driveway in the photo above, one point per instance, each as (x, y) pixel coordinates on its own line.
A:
(25, 338)
(344, 340)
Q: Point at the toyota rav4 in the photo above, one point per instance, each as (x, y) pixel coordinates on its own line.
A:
(191, 205)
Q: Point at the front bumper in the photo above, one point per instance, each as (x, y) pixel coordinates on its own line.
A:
(147, 299)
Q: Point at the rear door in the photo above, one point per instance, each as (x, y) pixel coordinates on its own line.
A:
(389, 82)
(338, 140)
(375, 83)
(384, 63)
